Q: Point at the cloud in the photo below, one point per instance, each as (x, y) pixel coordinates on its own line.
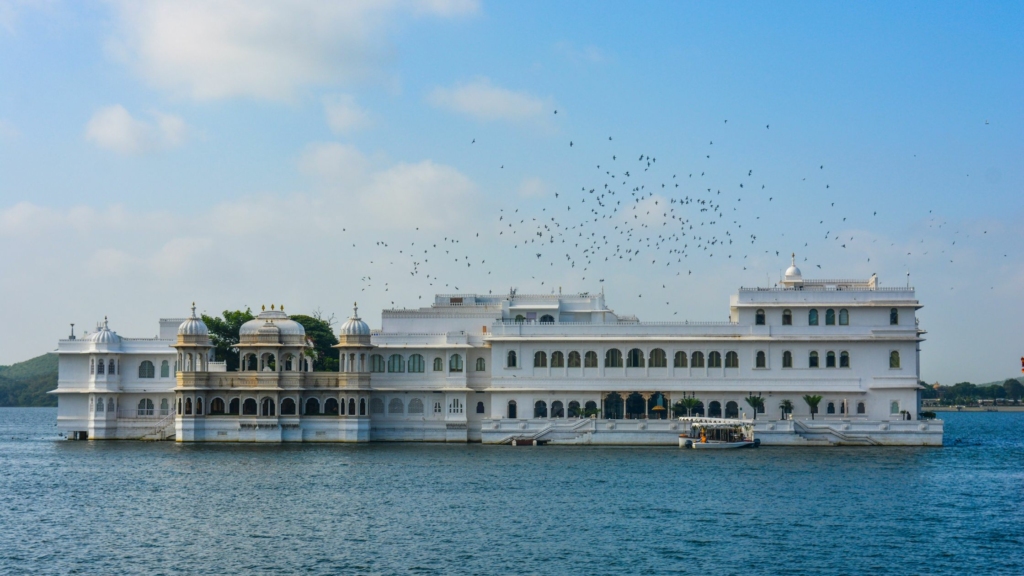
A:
(481, 100)
(588, 54)
(114, 128)
(264, 49)
(343, 114)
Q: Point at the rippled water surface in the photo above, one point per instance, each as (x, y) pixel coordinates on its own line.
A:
(165, 508)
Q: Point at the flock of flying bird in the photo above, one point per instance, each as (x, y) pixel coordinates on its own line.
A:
(631, 212)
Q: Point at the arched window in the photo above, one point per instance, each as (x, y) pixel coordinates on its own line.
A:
(179, 406)
(787, 359)
(697, 360)
(455, 406)
(268, 407)
(679, 360)
(376, 363)
(574, 360)
(511, 362)
(110, 405)
(830, 359)
(557, 360)
(540, 409)
(613, 358)
(101, 367)
(249, 407)
(830, 317)
(760, 361)
(860, 408)
(331, 407)
(520, 318)
(165, 369)
(416, 363)
(396, 363)
(233, 407)
(894, 316)
(590, 406)
(894, 359)
(759, 317)
(312, 407)
(732, 409)
(812, 360)
(787, 317)
(289, 362)
(547, 319)
(287, 407)
(396, 406)
(479, 407)
(481, 365)
(217, 406)
(812, 317)
(557, 409)
(362, 406)
(844, 317)
(376, 406)
(658, 358)
(732, 360)
(199, 406)
(512, 409)
(635, 358)
(351, 406)
(112, 368)
(540, 359)
(455, 363)
(714, 359)
(574, 409)
(831, 408)
(844, 359)
(188, 406)
(145, 407)
(590, 360)
(438, 365)
(165, 407)
(146, 369)
(415, 406)
(714, 410)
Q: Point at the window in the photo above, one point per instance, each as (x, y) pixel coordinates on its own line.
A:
(376, 363)
(362, 406)
(831, 408)
(732, 409)
(830, 317)
(540, 359)
(812, 317)
(894, 316)
(574, 409)
(759, 360)
(590, 360)
(732, 360)
(179, 406)
(312, 407)
(416, 363)
(860, 408)
(396, 363)
(520, 318)
(787, 359)
(613, 358)
(100, 367)
(249, 407)
(759, 317)
(455, 363)
(331, 407)
(715, 410)
(812, 360)
(590, 405)
(679, 360)
(574, 359)
(199, 406)
(165, 408)
(233, 407)
(146, 369)
(110, 405)
(112, 368)
(512, 409)
(697, 360)
(658, 358)
(396, 406)
(376, 406)
(894, 359)
(714, 360)
(188, 406)
(287, 407)
(438, 365)
(635, 358)
(540, 409)
(844, 317)
(830, 359)
(455, 406)
(547, 319)
(557, 360)
(217, 406)
(92, 366)
(787, 317)
(557, 409)
(844, 359)
(351, 406)
(146, 407)
(511, 359)
(479, 407)
(481, 365)
(415, 406)
(269, 407)
(165, 369)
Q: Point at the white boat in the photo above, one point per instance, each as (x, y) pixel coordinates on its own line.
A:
(717, 433)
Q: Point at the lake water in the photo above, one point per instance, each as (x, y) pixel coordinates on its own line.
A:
(168, 508)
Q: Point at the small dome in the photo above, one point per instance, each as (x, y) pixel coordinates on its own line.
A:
(268, 328)
(104, 335)
(793, 271)
(285, 325)
(193, 326)
(354, 326)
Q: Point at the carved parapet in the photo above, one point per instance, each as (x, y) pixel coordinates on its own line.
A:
(192, 379)
(354, 380)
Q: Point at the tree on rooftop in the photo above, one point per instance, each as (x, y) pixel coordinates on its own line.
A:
(756, 402)
(224, 335)
(812, 402)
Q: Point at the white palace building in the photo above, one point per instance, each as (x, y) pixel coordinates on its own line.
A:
(555, 368)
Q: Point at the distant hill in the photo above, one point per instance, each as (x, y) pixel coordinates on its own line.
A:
(27, 383)
(1000, 382)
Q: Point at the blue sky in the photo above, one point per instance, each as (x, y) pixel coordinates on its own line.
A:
(156, 153)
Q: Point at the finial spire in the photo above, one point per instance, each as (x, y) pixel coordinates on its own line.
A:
(193, 309)
(355, 309)
(792, 259)
(105, 327)
(263, 307)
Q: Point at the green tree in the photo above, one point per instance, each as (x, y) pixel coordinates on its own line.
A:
(688, 405)
(1014, 389)
(812, 402)
(224, 334)
(787, 408)
(320, 333)
(756, 403)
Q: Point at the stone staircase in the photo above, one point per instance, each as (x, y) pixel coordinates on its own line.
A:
(830, 435)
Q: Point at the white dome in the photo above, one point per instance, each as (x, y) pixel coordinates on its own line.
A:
(285, 325)
(193, 326)
(104, 335)
(354, 326)
(793, 271)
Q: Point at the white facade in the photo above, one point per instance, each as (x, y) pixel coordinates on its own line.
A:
(493, 368)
